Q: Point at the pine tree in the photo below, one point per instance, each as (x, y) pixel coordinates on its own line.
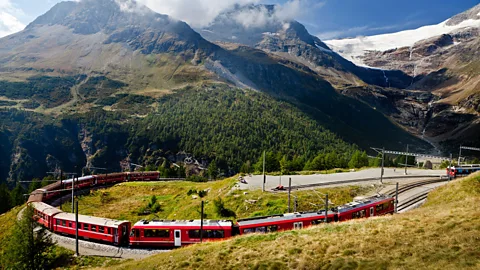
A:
(355, 160)
(213, 170)
(5, 199)
(17, 197)
(25, 248)
(35, 184)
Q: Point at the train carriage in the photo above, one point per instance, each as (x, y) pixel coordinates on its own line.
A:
(44, 214)
(47, 192)
(368, 207)
(80, 182)
(94, 228)
(176, 233)
(110, 178)
(143, 176)
(462, 170)
(283, 222)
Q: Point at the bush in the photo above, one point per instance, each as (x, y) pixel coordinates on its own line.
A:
(222, 210)
(196, 178)
(202, 193)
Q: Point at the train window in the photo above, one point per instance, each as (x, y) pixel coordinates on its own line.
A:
(260, 229)
(70, 224)
(101, 229)
(359, 214)
(272, 228)
(85, 226)
(206, 234)
(94, 228)
(64, 223)
(250, 230)
(58, 221)
(156, 233)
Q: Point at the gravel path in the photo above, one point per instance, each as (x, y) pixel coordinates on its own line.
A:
(96, 249)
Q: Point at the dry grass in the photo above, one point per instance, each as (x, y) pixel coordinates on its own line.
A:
(444, 234)
(124, 201)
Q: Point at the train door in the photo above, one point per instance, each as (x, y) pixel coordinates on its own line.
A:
(115, 236)
(371, 212)
(297, 225)
(178, 238)
(124, 240)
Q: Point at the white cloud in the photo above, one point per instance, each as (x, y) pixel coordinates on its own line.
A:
(200, 13)
(195, 12)
(9, 23)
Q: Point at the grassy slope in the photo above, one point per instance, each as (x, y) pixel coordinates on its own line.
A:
(444, 234)
(123, 201)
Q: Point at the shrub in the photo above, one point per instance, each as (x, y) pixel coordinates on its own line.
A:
(196, 178)
(222, 210)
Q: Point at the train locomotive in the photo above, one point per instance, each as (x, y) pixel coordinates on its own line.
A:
(176, 233)
(462, 170)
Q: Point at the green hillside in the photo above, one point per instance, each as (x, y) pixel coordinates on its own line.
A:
(443, 234)
(218, 123)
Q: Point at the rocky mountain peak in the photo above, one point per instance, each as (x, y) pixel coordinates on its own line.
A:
(251, 24)
(124, 21)
(471, 14)
(92, 16)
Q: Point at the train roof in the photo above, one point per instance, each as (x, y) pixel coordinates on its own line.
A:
(88, 177)
(282, 217)
(45, 208)
(183, 223)
(363, 202)
(91, 220)
(465, 166)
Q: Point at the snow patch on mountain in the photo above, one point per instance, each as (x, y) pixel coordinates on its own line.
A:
(354, 48)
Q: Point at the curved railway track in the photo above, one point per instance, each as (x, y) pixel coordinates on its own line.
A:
(362, 180)
(414, 199)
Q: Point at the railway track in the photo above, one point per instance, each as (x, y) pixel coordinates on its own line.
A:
(361, 180)
(408, 187)
(413, 200)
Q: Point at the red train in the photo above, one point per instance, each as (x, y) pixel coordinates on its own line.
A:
(176, 233)
(90, 228)
(55, 189)
(172, 233)
(462, 170)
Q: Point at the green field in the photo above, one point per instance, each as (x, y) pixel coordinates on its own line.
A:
(128, 200)
(443, 234)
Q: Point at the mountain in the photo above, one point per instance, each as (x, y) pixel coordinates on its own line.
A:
(92, 73)
(354, 49)
(443, 100)
(262, 27)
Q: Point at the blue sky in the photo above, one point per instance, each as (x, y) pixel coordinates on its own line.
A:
(326, 18)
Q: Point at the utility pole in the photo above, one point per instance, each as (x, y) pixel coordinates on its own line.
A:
(450, 167)
(406, 161)
(73, 192)
(289, 191)
(264, 177)
(76, 229)
(326, 208)
(459, 155)
(383, 163)
(396, 198)
(295, 204)
(201, 224)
